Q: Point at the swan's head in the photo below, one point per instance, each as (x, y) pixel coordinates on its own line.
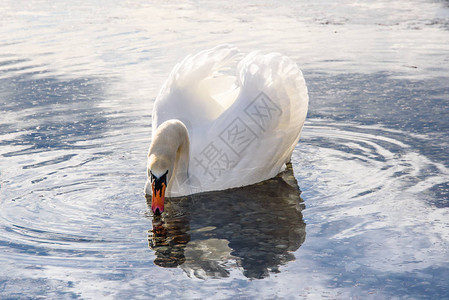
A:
(159, 173)
(168, 158)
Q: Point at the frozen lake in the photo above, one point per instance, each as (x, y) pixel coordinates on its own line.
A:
(365, 210)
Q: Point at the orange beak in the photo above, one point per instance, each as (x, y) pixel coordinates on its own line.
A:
(157, 202)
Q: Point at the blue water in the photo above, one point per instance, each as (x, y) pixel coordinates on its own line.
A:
(363, 212)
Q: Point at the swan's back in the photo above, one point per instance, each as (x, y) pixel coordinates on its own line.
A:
(241, 131)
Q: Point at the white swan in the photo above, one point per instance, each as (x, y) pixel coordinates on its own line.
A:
(213, 131)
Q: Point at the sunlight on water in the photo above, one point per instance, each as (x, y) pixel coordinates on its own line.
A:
(364, 213)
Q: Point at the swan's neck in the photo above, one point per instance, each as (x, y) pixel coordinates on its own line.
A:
(170, 150)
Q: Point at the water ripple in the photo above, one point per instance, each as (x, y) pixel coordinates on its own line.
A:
(77, 86)
(368, 159)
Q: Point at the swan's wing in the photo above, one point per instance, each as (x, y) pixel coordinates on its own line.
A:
(186, 93)
(253, 139)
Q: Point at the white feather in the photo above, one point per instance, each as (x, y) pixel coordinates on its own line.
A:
(242, 128)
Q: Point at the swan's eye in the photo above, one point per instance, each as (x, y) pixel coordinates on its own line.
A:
(153, 178)
(159, 183)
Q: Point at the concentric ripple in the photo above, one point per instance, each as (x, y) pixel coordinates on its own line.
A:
(366, 160)
(70, 207)
(367, 187)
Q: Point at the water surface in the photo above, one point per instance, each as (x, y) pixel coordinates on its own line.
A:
(363, 212)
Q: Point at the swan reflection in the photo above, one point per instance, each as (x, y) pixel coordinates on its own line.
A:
(254, 228)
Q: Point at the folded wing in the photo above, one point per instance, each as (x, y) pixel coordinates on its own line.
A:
(252, 139)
